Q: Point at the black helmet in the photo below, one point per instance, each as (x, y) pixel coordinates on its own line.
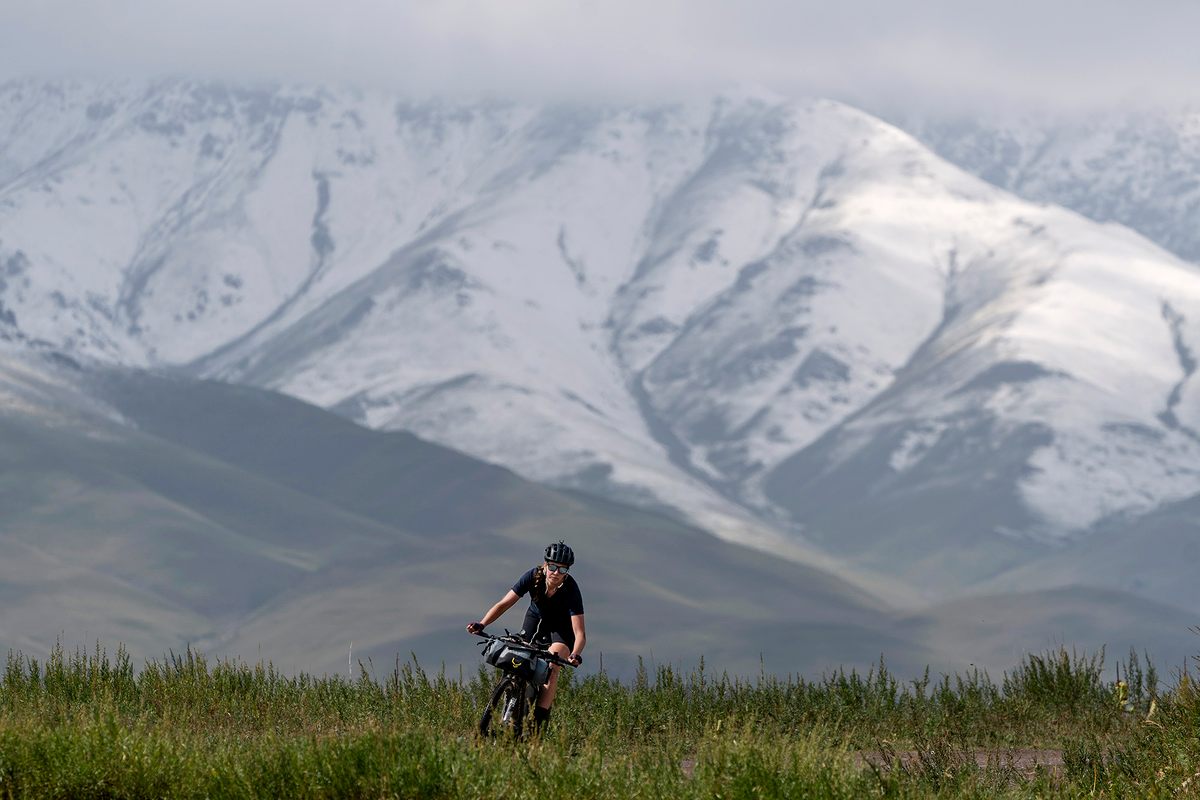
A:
(560, 553)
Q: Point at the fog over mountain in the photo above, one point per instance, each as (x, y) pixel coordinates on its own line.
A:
(784, 322)
(934, 54)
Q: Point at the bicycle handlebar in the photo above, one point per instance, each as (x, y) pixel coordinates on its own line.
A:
(543, 652)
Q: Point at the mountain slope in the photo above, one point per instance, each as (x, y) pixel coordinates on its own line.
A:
(1036, 411)
(1136, 169)
(160, 511)
(251, 524)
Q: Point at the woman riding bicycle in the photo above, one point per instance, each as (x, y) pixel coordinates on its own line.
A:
(554, 618)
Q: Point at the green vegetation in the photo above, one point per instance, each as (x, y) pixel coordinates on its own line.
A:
(90, 725)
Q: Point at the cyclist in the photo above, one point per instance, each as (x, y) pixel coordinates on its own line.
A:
(554, 618)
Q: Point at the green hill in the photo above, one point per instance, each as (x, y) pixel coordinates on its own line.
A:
(160, 511)
(254, 525)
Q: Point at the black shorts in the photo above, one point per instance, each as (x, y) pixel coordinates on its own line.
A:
(534, 630)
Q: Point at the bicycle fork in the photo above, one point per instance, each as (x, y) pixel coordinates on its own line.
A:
(510, 708)
(527, 692)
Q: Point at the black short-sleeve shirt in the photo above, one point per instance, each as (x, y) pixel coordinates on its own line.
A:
(554, 612)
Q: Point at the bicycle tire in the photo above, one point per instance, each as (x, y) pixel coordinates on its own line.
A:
(506, 688)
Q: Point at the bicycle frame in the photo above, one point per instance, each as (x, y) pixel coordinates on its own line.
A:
(514, 694)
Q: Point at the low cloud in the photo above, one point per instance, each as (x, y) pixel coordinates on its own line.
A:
(1057, 54)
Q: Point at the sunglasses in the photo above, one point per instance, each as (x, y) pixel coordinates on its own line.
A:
(558, 568)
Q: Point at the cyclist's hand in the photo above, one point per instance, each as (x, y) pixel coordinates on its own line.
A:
(575, 659)
(475, 627)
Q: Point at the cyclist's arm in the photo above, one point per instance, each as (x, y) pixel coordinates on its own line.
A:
(580, 634)
(495, 612)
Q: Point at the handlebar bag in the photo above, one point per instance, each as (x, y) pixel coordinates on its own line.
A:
(516, 660)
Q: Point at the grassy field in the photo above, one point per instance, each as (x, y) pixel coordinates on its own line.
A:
(82, 725)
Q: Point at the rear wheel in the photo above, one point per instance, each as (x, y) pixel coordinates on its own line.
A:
(505, 710)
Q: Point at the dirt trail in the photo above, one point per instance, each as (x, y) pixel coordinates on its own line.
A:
(1023, 760)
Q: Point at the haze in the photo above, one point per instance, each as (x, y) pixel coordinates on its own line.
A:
(1074, 54)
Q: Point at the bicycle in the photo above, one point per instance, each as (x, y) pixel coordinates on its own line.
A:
(526, 667)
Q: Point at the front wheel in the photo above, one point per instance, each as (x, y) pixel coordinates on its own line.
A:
(505, 710)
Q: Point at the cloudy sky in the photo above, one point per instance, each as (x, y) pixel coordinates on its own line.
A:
(1051, 52)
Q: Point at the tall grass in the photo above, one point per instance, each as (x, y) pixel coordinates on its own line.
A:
(84, 724)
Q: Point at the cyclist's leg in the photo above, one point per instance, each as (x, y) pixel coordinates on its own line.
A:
(541, 711)
(561, 646)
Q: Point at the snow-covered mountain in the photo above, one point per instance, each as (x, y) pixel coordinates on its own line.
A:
(790, 321)
(1135, 169)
